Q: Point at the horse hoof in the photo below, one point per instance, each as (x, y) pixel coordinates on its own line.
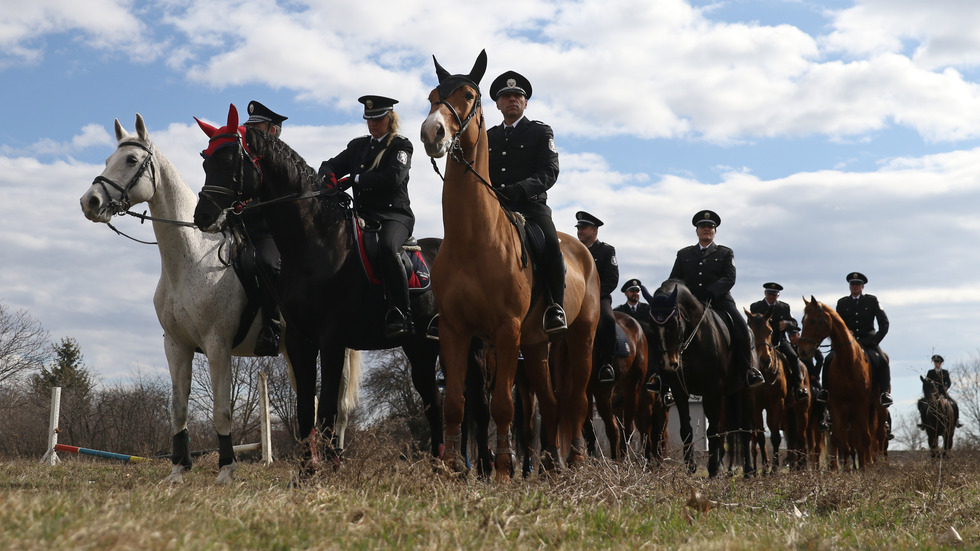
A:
(227, 474)
(176, 475)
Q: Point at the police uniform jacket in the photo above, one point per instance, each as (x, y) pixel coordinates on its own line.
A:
(381, 191)
(529, 159)
(780, 312)
(859, 315)
(710, 276)
(941, 377)
(642, 312)
(604, 255)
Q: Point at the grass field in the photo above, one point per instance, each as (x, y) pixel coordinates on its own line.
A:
(379, 499)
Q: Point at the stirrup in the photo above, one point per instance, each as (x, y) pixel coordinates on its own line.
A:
(668, 399)
(607, 374)
(397, 324)
(756, 381)
(886, 399)
(432, 330)
(653, 384)
(552, 314)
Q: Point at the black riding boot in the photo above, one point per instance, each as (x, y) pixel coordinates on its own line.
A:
(742, 349)
(267, 343)
(554, 316)
(398, 319)
(795, 369)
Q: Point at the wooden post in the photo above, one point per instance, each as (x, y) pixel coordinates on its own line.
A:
(51, 456)
(265, 426)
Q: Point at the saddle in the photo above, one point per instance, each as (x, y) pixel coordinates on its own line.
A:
(243, 262)
(416, 269)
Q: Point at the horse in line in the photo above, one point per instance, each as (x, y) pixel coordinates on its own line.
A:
(693, 343)
(484, 288)
(326, 300)
(856, 418)
(937, 417)
(618, 403)
(199, 299)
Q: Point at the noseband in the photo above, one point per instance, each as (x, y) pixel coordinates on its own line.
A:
(122, 204)
(446, 89)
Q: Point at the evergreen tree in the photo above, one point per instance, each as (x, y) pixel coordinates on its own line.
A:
(68, 371)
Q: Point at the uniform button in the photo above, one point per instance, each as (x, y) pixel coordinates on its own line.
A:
(504, 153)
(503, 170)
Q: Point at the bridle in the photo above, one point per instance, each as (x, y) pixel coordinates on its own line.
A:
(675, 314)
(236, 191)
(121, 205)
(455, 148)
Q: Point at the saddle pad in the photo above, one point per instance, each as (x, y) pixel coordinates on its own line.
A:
(418, 280)
(622, 345)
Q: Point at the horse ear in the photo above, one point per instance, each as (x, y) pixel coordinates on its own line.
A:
(120, 132)
(673, 296)
(747, 313)
(441, 73)
(479, 68)
(646, 294)
(141, 128)
(232, 116)
(813, 298)
(207, 128)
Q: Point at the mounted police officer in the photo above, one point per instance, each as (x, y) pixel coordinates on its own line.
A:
(266, 253)
(940, 377)
(780, 318)
(859, 312)
(523, 167)
(376, 168)
(640, 311)
(708, 270)
(814, 370)
(604, 254)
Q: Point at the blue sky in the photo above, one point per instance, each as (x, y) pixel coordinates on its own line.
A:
(830, 137)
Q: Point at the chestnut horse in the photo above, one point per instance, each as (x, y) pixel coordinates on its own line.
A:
(847, 377)
(618, 403)
(770, 397)
(484, 288)
(937, 417)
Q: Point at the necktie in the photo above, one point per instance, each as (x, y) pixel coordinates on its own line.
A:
(633, 309)
(508, 130)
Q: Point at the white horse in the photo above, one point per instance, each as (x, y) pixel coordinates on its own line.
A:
(199, 298)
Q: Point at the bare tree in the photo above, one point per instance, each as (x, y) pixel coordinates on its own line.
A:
(966, 391)
(391, 398)
(245, 400)
(23, 344)
(907, 432)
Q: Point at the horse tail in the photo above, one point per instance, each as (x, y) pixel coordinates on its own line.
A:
(350, 382)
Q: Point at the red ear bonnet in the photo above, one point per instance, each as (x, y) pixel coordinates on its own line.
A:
(227, 134)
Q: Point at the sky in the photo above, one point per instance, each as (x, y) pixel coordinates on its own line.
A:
(830, 137)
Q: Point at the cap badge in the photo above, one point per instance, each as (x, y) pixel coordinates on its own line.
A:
(369, 104)
(511, 83)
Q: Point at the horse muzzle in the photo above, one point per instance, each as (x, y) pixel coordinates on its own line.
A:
(434, 136)
(95, 207)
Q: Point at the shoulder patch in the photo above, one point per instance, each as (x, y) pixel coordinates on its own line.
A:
(613, 261)
(402, 157)
(551, 145)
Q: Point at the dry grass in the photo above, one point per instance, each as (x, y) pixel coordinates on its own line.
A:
(379, 499)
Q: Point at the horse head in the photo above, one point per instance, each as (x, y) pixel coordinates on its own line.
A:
(455, 103)
(227, 183)
(761, 327)
(929, 388)
(129, 177)
(815, 328)
(668, 325)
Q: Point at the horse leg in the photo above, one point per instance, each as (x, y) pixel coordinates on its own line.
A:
(524, 425)
(572, 384)
(422, 357)
(455, 351)
(775, 418)
(180, 359)
(686, 433)
(588, 430)
(331, 371)
(477, 407)
(712, 410)
(536, 366)
(502, 401)
(301, 356)
(219, 365)
(603, 402)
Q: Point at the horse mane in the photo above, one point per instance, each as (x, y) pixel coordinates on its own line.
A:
(286, 163)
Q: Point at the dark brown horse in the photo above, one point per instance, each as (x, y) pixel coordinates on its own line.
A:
(618, 403)
(327, 301)
(937, 417)
(854, 414)
(486, 288)
(694, 344)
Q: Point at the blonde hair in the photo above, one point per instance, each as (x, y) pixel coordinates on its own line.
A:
(394, 122)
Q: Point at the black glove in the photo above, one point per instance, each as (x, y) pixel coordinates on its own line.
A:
(512, 193)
